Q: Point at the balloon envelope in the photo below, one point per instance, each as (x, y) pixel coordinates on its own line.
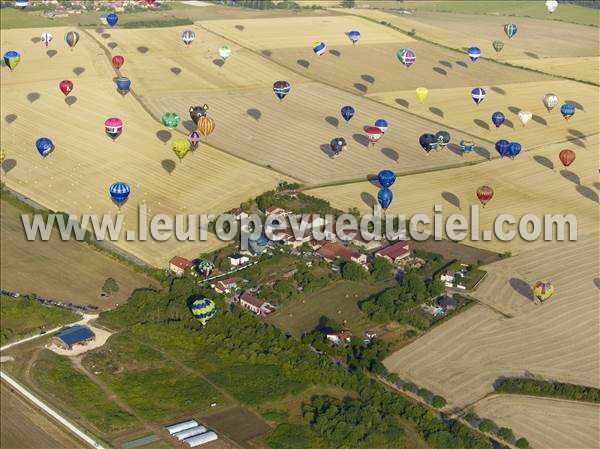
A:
(428, 142)
(113, 127)
(550, 101)
(123, 84)
(382, 124)
(498, 118)
(478, 94)
(421, 93)
(354, 36)
(567, 157)
(514, 149)
(485, 194)
(510, 29)
(180, 147)
(281, 89)
(71, 38)
(337, 145)
(170, 119)
(474, 53)
(524, 117)
(373, 134)
(406, 56)
(194, 138)
(44, 146)
(502, 147)
(386, 178)
(112, 19)
(198, 111)
(225, 52)
(347, 113)
(118, 61)
(203, 310)
(498, 46)
(551, 5)
(188, 37)
(443, 138)
(12, 59)
(319, 48)
(21, 4)
(543, 290)
(46, 38)
(385, 197)
(567, 110)
(65, 86)
(119, 192)
(206, 126)
(466, 145)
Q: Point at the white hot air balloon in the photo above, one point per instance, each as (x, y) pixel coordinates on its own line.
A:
(551, 5)
(224, 52)
(46, 37)
(524, 117)
(550, 101)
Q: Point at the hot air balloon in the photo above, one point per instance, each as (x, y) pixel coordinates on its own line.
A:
(428, 142)
(65, 86)
(170, 119)
(514, 149)
(204, 267)
(113, 127)
(188, 37)
(524, 117)
(502, 147)
(474, 53)
(406, 56)
(225, 52)
(421, 93)
(206, 126)
(466, 145)
(203, 310)
(180, 147)
(386, 178)
(71, 38)
(118, 61)
(119, 192)
(12, 59)
(347, 113)
(485, 194)
(337, 145)
(510, 29)
(281, 89)
(478, 94)
(44, 146)
(567, 157)
(46, 38)
(112, 19)
(551, 5)
(498, 46)
(542, 291)
(567, 110)
(194, 138)
(550, 101)
(2, 156)
(198, 111)
(373, 134)
(319, 48)
(498, 118)
(354, 36)
(385, 197)
(21, 4)
(443, 138)
(382, 124)
(123, 84)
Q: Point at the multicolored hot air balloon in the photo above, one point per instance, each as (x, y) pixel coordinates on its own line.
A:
(180, 147)
(225, 52)
(386, 178)
(466, 145)
(347, 113)
(384, 198)
(319, 48)
(337, 145)
(194, 138)
(12, 59)
(170, 119)
(498, 46)
(118, 61)
(542, 291)
(421, 93)
(502, 147)
(66, 86)
(71, 38)
(281, 89)
(485, 194)
(524, 117)
(510, 29)
(46, 38)
(406, 57)
(478, 94)
(474, 53)
(382, 124)
(567, 110)
(188, 37)
(113, 127)
(204, 267)
(119, 192)
(206, 126)
(123, 84)
(550, 101)
(354, 36)
(373, 134)
(551, 5)
(567, 157)
(428, 142)
(44, 146)
(498, 118)
(514, 149)
(443, 138)
(203, 310)
(198, 111)
(112, 19)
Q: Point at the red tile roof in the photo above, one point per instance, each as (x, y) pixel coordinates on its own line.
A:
(181, 262)
(332, 251)
(251, 299)
(394, 251)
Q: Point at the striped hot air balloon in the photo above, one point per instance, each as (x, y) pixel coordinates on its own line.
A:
(478, 94)
(319, 48)
(281, 89)
(485, 194)
(510, 29)
(567, 157)
(498, 46)
(203, 310)
(206, 125)
(466, 145)
(474, 53)
(71, 38)
(119, 192)
(113, 127)
(373, 134)
(354, 36)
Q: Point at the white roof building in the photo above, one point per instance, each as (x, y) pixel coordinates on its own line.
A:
(179, 427)
(192, 432)
(201, 439)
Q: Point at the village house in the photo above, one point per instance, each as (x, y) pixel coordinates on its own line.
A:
(332, 251)
(453, 279)
(396, 252)
(225, 286)
(337, 337)
(238, 213)
(349, 234)
(276, 210)
(237, 260)
(256, 305)
(178, 265)
(447, 303)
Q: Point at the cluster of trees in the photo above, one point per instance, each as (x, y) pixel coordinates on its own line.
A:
(503, 433)
(537, 387)
(266, 4)
(110, 286)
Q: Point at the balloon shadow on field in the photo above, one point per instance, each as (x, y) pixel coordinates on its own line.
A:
(538, 119)
(303, 63)
(544, 162)
(576, 141)
(391, 154)
(368, 78)
(597, 283)
(326, 148)
(239, 27)
(105, 35)
(483, 153)
(522, 288)
(402, 102)
(576, 104)
(51, 53)
(143, 49)
(436, 111)
(168, 165)
(8, 165)
(332, 121)
(576, 133)
(33, 97)
(254, 113)
(515, 110)
(175, 70)
(440, 71)
(70, 100)
(336, 53)
(482, 124)
(361, 139)
(267, 53)
(570, 176)
(99, 30)
(189, 125)
(532, 55)
(587, 193)
(509, 123)
(596, 185)
(36, 40)
(455, 149)
(451, 198)
(498, 90)
(361, 87)
(163, 135)
(368, 199)
(9, 118)
(112, 45)
(374, 180)
(461, 63)
(78, 70)
(218, 62)
(447, 64)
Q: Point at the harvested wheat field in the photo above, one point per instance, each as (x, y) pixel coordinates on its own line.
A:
(76, 176)
(456, 108)
(546, 423)
(582, 68)
(559, 340)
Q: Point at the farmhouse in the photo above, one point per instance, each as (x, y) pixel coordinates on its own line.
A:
(178, 265)
(337, 337)
(453, 279)
(238, 213)
(395, 252)
(332, 251)
(238, 259)
(74, 335)
(447, 303)
(225, 286)
(256, 305)
(276, 210)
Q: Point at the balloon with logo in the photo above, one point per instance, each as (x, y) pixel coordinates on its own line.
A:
(502, 147)
(498, 46)
(485, 194)
(347, 113)
(319, 48)
(206, 126)
(428, 142)
(119, 193)
(198, 111)
(123, 84)
(71, 38)
(373, 134)
(65, 86)
(12, 59)
(382, 124)
(478, 94)
(181, 147)
(112, 19)
(118, 61)
(194, 138)
(384, 198)
(498, 118)
(188, 37)
(170, 119)
(550, 101)
(337, 145)
(567, 157)
(46, 38)
(406, 57)
(474, 53)
(203, 310)
(443, 138)
(354, 36)
(567, 110)
(421, 93)
(551, 5)
(510, 29)
(514, 149)
(225, 52)
(44, 146)
(542, 291)
(113, 127)
(281, 89)
(386, 178)
(524, 117)
(466, 145)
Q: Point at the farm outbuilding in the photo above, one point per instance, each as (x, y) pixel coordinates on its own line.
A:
(191, 432)
(201, 439)
(74, 335)
(180, 427)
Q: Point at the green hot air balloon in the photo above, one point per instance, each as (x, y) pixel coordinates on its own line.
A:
(170, 119)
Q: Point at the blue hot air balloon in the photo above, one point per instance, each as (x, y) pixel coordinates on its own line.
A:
(498, 118)
(503, 147)
(347, 113)
(319, 48)
(385, 197)
(119, 192)
(567, 110)
(386, 178)
(11, 59)
(474, 53)
(514, 148)
(466, 145)
(44, 146)
(354, 36)
(382, 124)
(428, 142)
(123, 84)
(21, 4)
(478, 94)
(112, 19)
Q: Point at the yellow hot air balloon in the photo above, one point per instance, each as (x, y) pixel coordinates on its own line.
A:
(542, 291)
(422, 93)
(206, 125)
(2, 156)
(180, 147)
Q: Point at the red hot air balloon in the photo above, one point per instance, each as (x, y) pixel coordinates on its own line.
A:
(373, 134)
(65, 87)
(118, 61)
(567, 157)
(485, 194)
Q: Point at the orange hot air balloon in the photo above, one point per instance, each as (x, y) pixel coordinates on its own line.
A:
(567, 157)
(206, 125)
(485, 194)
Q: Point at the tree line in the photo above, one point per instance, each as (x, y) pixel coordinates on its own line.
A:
(538, 387)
